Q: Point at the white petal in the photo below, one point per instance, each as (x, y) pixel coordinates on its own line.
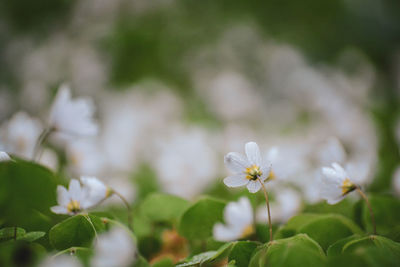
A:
(236, 180)
(62, 196)
(340, 171)
(4, 156)
(331, 176)
(225, 234)
(253, 186)
(75, 191)
(236, 162)
(59, 210)
(253, 153)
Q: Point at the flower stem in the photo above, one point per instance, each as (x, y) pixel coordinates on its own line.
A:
(269, 212)
(91, 223)
(128, 207)
(369, 207)
(42, 138)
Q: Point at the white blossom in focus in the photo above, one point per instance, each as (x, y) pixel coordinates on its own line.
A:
(75, 199)
(335, 184)
(20, 135)
(249, 171)
(115, 248)
(72, 117)
(238, 218)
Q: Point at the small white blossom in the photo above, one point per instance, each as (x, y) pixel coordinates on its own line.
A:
(238, 217)
(250, 171)
(4, 156)
(115, 248)
(97, 191)
(335, 184)
(72, 117)
(79, 198)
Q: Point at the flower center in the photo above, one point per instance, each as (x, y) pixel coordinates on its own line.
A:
(253, 172)
(347, 186)
(247, 231)
(73, 206)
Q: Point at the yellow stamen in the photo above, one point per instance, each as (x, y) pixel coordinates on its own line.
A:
(249, 230)
(74, 206)
(253, 172)
(347, 186)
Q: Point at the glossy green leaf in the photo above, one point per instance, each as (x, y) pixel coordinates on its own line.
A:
(198, 220)
(208, 258)
(27, 191)
(296, 251)
(242, 251)
(75, 231)
(337, 247)
(10, 233)
(163, 207)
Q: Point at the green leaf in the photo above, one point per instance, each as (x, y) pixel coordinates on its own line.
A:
(387, 215)
(75, 231)
(20, 253)
(336, 248)
(296, 251)
(326, 229)
(208, 258)
(163, 207)
(27, 191)
(242, 251)
(198, 220)
(32, 236)
(381, 242)
(164, 263)
(10, 233)
(141, 262)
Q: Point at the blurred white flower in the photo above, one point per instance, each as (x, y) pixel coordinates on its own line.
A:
(49, 159)
(79, 198)
(238, 217)
(335, 184)
(72, 117)
(20, 135)
(286, 205)
(96, 190)
(85, 157)
(115, 248)
(61, 261)
(4, 156)
(250, 171)
(185, 162)
(396, 181)
(331, 151)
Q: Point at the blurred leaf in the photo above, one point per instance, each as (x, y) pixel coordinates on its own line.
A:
(326, 229)
(163, 207)
(296, 251)
(387, 215)
(198, 220)
(242, 251)
(32, 236)
(373, 241)
(27, 191)
(9, 233)
(145, 180)
(164, 263)
(141, 262)
(75, 231)
(20, 253)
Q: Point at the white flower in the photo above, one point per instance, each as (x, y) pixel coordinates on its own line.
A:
(335, 184)
(78, 198)
(286, 205)
(96, 190)
(238, 217)
(72, 117)
(115, 248)
(4, 156)
(248, 171)
(61, 261)
(85, 157)
(20, 134)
